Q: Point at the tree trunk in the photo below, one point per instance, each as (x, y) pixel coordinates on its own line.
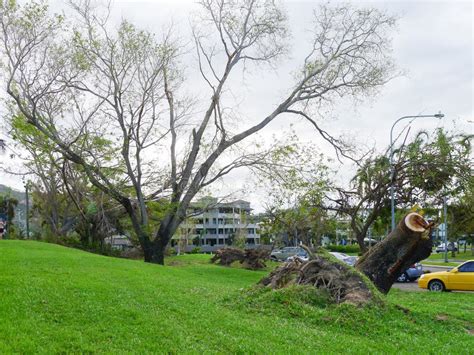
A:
(154, 252)
(360, 240)
(409, 243)
(158, 256)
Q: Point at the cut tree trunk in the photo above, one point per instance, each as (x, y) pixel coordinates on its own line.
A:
(409, 243)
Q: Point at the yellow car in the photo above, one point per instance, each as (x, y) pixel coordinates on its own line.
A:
(460, 278)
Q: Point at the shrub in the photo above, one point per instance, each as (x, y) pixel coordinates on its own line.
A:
(133, 253)
(196, 250)
(344, 248)
(170, 251)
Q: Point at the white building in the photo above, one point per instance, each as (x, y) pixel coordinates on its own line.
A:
(119, 242)
(211, 224)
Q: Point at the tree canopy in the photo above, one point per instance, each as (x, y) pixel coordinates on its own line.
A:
(111, 100)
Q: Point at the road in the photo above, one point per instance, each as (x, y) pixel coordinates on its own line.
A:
(413, 286)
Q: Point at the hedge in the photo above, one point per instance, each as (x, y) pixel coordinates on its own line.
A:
(344, 248)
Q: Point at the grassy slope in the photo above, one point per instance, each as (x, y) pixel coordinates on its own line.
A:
(57, 299)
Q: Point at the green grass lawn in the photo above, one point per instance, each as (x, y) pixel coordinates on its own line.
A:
(55, 299)
(439, 257)
(439, 263)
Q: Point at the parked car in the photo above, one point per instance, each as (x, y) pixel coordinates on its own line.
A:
(452, 246)
(348, 259)
(302, 256)
(461, 278)
(284, 253)
(411, 274)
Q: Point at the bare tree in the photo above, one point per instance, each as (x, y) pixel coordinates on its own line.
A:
(97, 93)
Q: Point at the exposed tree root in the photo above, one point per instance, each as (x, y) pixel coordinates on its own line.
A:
(249, 258)
(344, 284)
(377, 269)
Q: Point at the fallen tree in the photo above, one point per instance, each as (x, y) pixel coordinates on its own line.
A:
(341, 281)
(249, 258)
(381, 265)
(407, 244)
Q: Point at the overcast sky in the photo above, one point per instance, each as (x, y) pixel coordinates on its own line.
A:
(433, 45)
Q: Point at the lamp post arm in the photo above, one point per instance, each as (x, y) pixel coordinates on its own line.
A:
(403, 118)
(392, 170)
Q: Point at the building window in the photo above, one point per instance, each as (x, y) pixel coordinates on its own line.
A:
(225, 209)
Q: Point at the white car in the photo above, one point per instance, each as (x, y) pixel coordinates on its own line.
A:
(348, 259)
(302, 257)
(451, 245)
(286, 252)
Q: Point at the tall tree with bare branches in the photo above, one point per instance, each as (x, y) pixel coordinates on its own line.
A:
(79, 81)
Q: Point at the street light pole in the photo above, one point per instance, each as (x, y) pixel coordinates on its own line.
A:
(392, 168)
(27, 212)
(445, 212)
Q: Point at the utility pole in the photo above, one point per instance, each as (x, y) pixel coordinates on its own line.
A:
(445, 210)
(27, 212)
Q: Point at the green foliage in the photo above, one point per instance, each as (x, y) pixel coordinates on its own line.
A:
(296, 189)
(170, 251)
(196, 250)
(461, 214)
(7, 206)
(439, 165)
(425, 170)
(344, 248)
(238, 239)
(91, 209)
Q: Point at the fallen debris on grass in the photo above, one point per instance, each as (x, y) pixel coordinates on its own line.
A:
(250, 258)
(343, 283)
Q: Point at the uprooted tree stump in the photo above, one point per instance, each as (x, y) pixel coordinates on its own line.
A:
(407, 244)
(343, 283)
(249, 258)
(255, 258)
(381, 265)
(226, 256)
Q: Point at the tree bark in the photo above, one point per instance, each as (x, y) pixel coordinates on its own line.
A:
(409, 243)
(159, 246)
